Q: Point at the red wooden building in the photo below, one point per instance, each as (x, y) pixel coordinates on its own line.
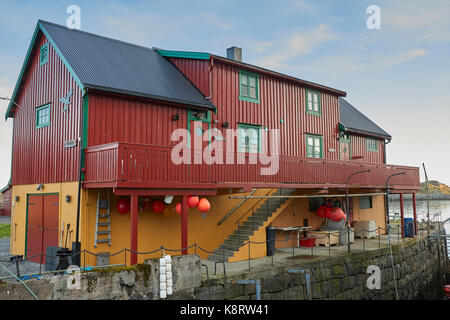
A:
(100, 113)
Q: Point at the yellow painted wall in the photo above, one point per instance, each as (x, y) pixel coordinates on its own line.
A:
(67, 212)
(377, 212)
(293, 216)
(164, 229)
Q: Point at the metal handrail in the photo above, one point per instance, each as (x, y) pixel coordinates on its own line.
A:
(228, 215)
(246, 213)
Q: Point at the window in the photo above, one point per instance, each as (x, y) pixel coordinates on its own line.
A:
(365, 202)
(249, 138)
(313, 105)
(314, 146)
(248, 86)
(43, 116)
(372, 144)
(315, 203)
(44, 54)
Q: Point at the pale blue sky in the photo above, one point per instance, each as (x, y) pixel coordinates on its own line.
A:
(398, 76)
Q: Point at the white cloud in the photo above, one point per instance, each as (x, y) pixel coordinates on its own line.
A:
(294, 46)
(418, 20)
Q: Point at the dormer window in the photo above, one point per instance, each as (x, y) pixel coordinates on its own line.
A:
(313, 105)
(44, 54)
(248, 86)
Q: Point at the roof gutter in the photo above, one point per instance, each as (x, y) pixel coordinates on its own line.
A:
(305, 83)
(209, 106)
(362, 132)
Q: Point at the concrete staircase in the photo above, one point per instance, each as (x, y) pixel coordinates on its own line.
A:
(246, 229)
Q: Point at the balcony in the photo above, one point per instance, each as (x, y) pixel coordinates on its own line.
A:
(127, 165)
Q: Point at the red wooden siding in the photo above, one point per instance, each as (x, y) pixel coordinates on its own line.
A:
(359, 149)
(140, 166)
(39, 155)
(279, 99)
(115, 118)
(196, 71)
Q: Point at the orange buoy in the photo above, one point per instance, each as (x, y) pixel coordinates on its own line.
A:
(192, 201)
(203, 205)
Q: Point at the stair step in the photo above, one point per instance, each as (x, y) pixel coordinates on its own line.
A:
(103, 240)
(242, 233)
(103, 223)
(237, 237)
(103, 232)
(103, 215)
(214, 257)
(255, 220)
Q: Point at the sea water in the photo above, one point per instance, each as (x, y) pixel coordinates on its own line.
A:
(436, 206)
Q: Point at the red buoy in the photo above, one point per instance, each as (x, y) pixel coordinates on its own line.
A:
(203, 205)
(321, 211)
(192, 201)
(178, 208)
(158, 206)
(336, 214)
(123, 205)
(327, 211)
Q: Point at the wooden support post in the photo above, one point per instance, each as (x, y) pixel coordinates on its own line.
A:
(134, 228)
(415, 213)
(184, 224)
(402, 216)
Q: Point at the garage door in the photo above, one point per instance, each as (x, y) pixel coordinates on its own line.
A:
(42, 225)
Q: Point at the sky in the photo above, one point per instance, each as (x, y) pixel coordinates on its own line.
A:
(397, 75)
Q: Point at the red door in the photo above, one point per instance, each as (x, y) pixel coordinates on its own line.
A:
(344, 147)
(42, 225)
(34, 228)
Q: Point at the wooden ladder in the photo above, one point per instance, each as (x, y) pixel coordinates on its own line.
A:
(103, 220)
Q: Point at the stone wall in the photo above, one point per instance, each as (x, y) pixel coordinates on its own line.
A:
(415, 263)
(124, 283)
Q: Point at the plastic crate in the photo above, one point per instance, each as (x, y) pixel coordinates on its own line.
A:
(308, 242)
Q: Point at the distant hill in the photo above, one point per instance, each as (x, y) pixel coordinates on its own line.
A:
(434, 187)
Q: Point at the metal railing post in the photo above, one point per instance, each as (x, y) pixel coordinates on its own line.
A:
(249, 255)
(364, 240)
(379, 237)
(329, 244)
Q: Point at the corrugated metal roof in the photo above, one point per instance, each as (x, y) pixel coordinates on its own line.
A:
(116, 66)
(353, 120)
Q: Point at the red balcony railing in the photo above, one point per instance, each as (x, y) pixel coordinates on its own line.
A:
(147, 166)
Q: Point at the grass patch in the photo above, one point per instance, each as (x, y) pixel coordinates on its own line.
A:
(5, 230)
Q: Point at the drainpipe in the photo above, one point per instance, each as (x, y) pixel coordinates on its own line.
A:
(76, 246)
(307, 274)
(384, 150)
(257, 284)
(210, 69)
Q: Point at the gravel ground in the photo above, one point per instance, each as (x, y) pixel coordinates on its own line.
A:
(24, 267)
